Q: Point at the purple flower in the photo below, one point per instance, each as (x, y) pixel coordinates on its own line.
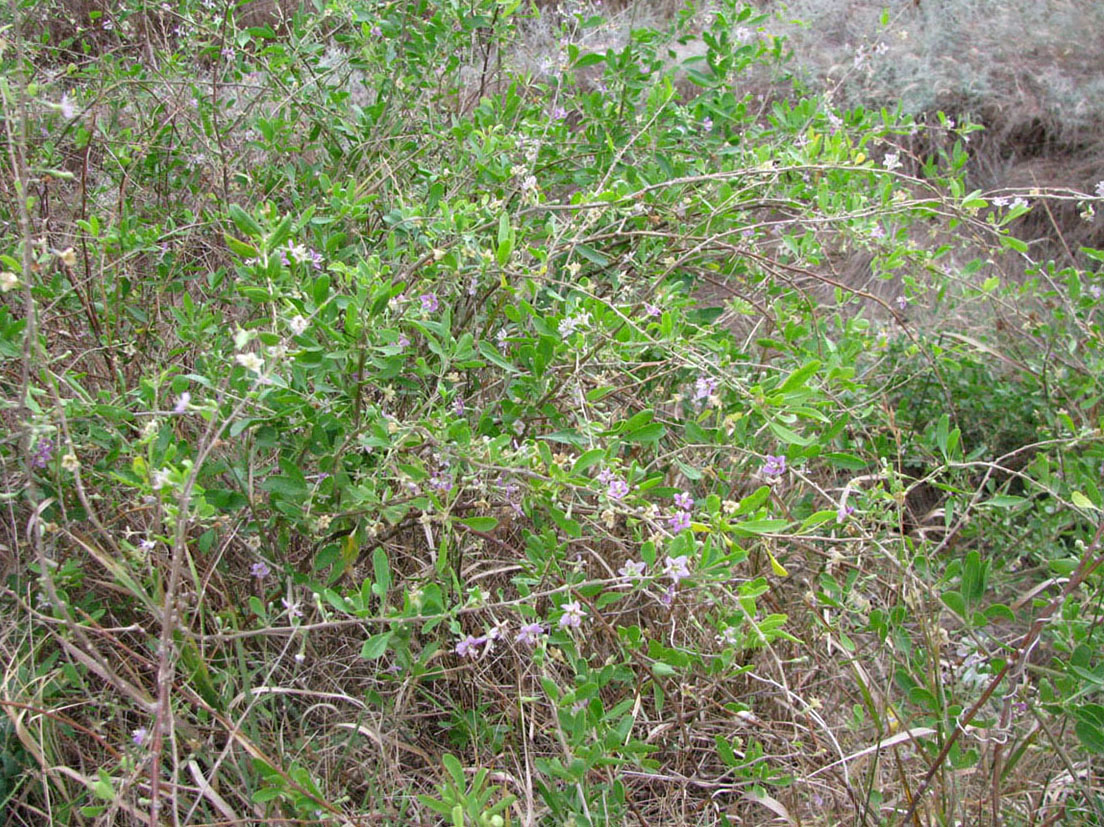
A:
(291, 607)
(182, 403)
(1095, 291)
(684, 501)
(707, 123)
(429, 302)
(652, 310)
(260, 570)
(316, 259)
(530, 634)
(559, 113)
(44, 452)
(605, 476)
(844, 511)
(774, 466)
(458, 406)
(677, 568)
(404, 341)
(678, 521)
(668, 596)
(469, 646)
(377, 31)
(139, 736)
(902, 302)
(633, 569)
(877, 232)
(704, 387)
(617, 489)
(573, 615)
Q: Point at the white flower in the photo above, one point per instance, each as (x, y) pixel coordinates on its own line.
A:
(68, 111)
(1100, 190)
(70, 462)
(298, 324)
(8, 281)
(250, 361)
(159, 479)
(892, 161)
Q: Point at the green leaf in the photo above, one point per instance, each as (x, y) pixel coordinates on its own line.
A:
(588, 459)
(483, 524)
(591, 255)
(1081, 501)
(245, 222)
(566, 524)
(848, 462)
(375, 646)
(240, 247)
(382, 570)
(724, 750)
(589, 59)
(955, 602)
(798, 378)
(1090, 736)
(761, 526)
(649, 433)
(786, 435)
(286, 487)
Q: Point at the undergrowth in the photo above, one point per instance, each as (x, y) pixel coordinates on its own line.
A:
(396, 433)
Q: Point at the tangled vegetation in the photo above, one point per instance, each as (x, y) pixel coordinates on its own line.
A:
(397, 431)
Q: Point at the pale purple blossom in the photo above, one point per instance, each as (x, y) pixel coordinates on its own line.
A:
(559, 113)
(902, 302)
(668, 596)
(403, 342)
(139, 736)
(429, 302)
(1095, 291)
(469, 646)
(651, 309)
(44, 452)
(679, 521)
(182, 403)
(530, 634)
(605, 476)
(707, 123)
(633, 569)
(844, 511)
(677, 568)
(291, 607)
(493, 634)
(617, 489)
(572, 616)
(684, 501)
(877, 232)
(704, 387)
(260, 570)
(68, 111)
(775, 466)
